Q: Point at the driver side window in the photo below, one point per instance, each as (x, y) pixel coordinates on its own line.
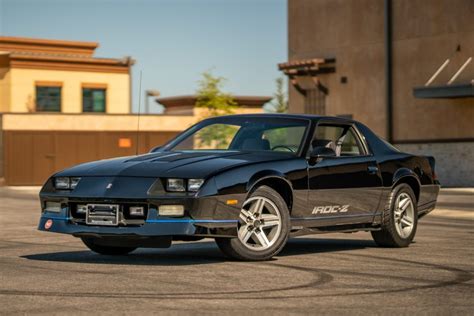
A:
(341, 139)
(285, 138)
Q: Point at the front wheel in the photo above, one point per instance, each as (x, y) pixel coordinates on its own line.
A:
(106, 250)
(400, 219)
(263, 227)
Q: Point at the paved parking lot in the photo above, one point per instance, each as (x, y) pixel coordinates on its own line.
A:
(336, 273)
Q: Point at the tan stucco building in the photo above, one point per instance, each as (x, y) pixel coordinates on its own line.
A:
(60, 106)
(405, 68)
(185, 105)
(31, 68)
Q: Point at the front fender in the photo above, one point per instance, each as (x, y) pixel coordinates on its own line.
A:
(264, 175)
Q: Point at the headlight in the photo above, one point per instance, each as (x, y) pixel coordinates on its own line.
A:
(175, 185)
(74, 182)
(62, 183)
(194, 184)
(66, 183)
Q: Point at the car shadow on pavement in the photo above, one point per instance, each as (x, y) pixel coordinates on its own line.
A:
(198, 253)
(303, 246)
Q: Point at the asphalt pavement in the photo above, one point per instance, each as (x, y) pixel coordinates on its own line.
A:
(321, 274)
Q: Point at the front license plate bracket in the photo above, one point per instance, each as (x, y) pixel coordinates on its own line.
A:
(102, 214)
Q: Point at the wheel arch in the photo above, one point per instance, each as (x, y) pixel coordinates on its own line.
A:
(405, 175)
(274, 180)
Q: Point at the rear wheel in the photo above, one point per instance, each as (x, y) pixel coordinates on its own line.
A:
(263, 227)
(91, 243)
(400, 219)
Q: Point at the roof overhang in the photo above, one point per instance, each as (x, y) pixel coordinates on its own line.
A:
(463, 90)
(69, 63)
(47, 46)
(304, 73)
(190, 101)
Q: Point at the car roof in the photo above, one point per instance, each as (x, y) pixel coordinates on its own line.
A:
(292, 116)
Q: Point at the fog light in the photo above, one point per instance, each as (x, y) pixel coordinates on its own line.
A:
(137, 211)
(81, 209)
(53, 207)
(171, 210)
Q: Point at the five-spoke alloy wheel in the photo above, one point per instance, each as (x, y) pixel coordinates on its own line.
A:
(399, 220)
(263, 227)
(404, 215)
(259, 223)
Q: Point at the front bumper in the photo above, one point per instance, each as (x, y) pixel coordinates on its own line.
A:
(158, 227)
(199, 220)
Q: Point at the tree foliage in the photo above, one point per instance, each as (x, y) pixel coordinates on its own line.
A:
(216, 102)
(280, 100)
(211, 97)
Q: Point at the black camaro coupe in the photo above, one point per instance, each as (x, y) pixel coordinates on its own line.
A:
(250, 182)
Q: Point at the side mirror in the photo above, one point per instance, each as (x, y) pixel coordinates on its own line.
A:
(322, 153)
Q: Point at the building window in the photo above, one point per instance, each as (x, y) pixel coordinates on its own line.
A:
(48, 98)
(93, 100)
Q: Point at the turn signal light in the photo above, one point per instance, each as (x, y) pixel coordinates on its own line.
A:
(231, 202)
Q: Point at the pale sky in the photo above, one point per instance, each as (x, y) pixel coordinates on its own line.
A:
(173, 41)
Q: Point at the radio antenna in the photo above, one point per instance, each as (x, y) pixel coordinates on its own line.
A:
(138, 117)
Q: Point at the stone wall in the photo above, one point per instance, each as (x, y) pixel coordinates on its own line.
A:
(454, 161)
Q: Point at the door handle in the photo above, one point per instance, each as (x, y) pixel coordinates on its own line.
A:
(372, 169)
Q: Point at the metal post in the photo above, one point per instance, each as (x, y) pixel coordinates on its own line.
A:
(433, 77)
(459, 71)
(388, 68)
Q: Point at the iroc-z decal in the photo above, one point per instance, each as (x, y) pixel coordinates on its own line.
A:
(330, 209)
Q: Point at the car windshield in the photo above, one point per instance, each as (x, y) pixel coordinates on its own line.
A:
(243, 134)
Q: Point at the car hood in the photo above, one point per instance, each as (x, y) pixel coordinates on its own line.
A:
(171, 164)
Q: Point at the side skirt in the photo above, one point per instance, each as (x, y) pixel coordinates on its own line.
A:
(353, 228)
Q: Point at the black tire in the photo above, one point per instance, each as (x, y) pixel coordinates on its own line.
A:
(106, 250)
(388, 236)
(235, 249)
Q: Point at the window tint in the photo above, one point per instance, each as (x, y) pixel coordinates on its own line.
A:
(341, 139)
(285, 138)
(211, 137)
(244, 134)
(48, 99)
(93, 100)
(350, 146)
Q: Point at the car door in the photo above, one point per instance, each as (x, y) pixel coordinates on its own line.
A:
(344, 189)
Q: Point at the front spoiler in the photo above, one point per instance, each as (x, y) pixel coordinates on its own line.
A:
(155, 227)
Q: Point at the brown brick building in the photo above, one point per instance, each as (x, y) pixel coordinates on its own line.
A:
(402, 67)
